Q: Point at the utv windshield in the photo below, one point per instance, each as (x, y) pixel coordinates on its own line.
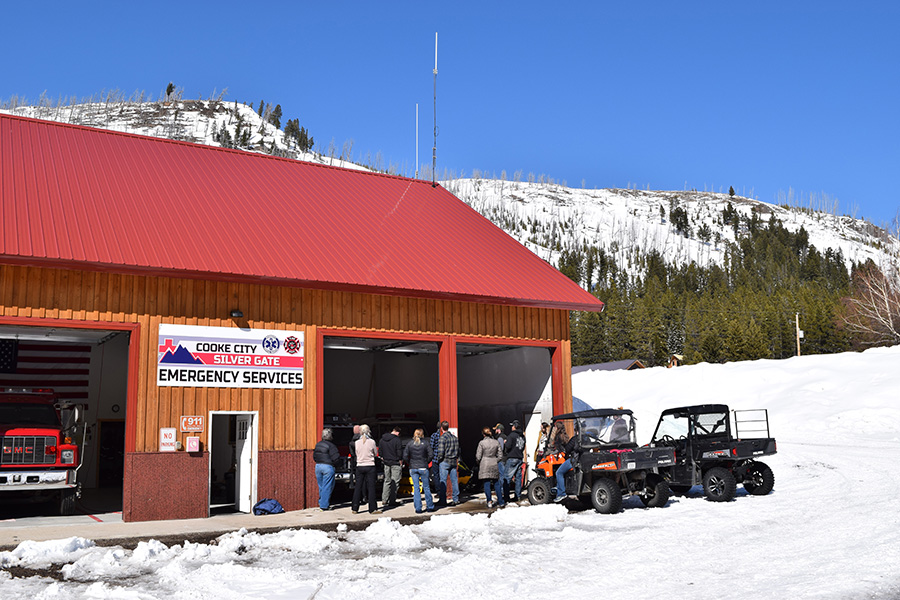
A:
(607, 430)
(671, 426)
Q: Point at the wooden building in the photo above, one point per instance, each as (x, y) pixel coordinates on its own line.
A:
(386, 296)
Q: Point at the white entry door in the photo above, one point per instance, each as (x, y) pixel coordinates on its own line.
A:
(244, 445)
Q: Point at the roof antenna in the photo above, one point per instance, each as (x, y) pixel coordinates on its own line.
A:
(417, 140)
(434, 148)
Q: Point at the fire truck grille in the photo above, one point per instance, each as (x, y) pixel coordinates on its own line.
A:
(27, 450)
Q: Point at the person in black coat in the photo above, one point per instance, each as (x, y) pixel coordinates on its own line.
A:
(326, 456)
(514, 449)
(389, 450)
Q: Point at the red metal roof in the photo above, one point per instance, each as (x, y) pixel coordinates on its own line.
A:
(82, 198)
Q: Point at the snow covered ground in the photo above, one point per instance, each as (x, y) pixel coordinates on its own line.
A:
(830, 529)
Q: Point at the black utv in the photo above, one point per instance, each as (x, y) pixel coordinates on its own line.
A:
(708, 454)
(607, 462)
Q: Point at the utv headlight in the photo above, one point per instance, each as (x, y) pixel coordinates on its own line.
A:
(67, 457)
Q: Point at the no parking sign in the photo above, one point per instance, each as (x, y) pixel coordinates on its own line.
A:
(167, 439)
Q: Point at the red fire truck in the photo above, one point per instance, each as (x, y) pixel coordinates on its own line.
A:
(39, 460)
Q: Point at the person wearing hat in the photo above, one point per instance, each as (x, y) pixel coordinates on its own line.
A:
(501, 461)
(514, 449)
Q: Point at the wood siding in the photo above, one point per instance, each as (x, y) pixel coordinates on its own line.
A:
(287, 417)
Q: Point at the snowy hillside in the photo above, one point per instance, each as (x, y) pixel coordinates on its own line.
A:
(196, 121)
(544, 216)
(627, 223)
(830, 529)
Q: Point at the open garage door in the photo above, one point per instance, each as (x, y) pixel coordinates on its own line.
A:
(498, 384)
(380, 382)
(84, 367)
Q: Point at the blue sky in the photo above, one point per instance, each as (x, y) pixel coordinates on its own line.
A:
(765, 96)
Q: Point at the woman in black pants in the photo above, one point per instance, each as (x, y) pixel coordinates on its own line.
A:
(365, 470)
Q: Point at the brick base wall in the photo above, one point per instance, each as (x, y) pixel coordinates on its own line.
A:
(165, 485)
(175, 485)
(285, 476)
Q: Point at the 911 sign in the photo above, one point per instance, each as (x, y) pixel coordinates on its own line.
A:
(191, 423)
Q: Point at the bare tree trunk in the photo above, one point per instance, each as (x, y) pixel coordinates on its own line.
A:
(873, 308)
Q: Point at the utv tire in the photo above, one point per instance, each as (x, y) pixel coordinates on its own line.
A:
(606, 496)
(759, 480)
(67, 502)
(539, 491)
(719, 485)
(656, 493)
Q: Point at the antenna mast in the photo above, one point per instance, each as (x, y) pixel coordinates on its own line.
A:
(417, 140)
(434, 147)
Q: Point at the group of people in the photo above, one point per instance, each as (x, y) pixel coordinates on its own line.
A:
(500, 458)
(431, 464)
(434, 462)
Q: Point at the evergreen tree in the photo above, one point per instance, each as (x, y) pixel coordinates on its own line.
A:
(704, 233)
(275, 117)
(570, 264)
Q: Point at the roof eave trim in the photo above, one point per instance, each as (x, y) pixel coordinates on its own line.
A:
(547, 303)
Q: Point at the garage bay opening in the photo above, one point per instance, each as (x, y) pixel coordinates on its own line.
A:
(72, 459)
(382, 383)
(499, 384)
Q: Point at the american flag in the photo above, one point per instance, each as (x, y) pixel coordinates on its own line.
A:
(8, 353)
(64, 368)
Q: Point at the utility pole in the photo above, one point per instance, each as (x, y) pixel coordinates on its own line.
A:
(799, 333)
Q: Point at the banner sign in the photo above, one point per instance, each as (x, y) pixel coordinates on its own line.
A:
(228, 357)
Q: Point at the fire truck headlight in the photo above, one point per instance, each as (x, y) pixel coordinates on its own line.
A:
(67, 457)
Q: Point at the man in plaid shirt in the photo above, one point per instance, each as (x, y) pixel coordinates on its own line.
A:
(435, 468)
(447, 457)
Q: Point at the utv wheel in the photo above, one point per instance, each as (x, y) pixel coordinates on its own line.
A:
(655, 493)
(719, 484)
(759, 480)
(606, 496)
(67, 502)
(539, 491)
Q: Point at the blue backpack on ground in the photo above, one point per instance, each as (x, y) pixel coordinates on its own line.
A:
(267, 506)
